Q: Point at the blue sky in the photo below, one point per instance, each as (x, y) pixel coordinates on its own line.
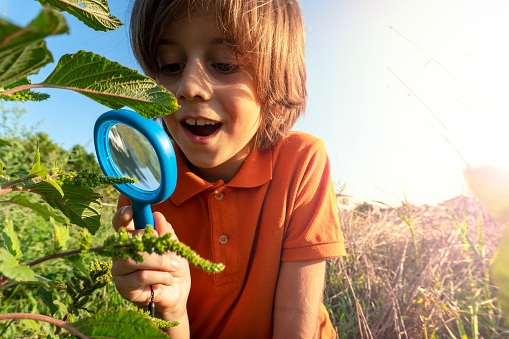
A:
(374, 97)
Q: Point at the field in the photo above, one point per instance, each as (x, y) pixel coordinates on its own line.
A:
(422, 272)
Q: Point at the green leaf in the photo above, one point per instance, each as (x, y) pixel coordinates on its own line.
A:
(38, 208)
(93, 13)
(2, 173)
(81, 205)
(47, 299)
(77, 261)
(61, 307)
(29, 324)
(5, 143)
(111, 84)
(23, 50)
(55, 185)
(11, 239)
(10, 268)
(38, 169)
(60, 237)
(119, 324)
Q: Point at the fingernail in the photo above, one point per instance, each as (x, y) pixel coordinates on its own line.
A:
(175, 263)
(122, 210)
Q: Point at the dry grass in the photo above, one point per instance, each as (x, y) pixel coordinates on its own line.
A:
(420, 273)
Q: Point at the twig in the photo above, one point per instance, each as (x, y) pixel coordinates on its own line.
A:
(45, 318)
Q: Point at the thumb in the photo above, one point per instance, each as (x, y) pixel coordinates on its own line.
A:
(163, 227)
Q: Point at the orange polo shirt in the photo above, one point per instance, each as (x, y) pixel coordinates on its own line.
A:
(281, 206)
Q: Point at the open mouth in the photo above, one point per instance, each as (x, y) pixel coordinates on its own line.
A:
(201, 127)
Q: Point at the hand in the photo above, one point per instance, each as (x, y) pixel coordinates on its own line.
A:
(168, 273)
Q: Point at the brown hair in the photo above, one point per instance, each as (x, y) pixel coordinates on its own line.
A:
(269, 32)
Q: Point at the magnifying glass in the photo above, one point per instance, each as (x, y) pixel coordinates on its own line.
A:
(128, 145)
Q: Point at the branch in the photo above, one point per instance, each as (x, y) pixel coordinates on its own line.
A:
(45, 318)
(64, 254)
(3, 279)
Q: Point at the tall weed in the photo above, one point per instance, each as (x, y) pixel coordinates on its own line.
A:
(416, 272)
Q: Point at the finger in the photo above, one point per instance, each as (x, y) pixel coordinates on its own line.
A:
(123, 218)
(168, 263)
(163, 227)
(137, 283)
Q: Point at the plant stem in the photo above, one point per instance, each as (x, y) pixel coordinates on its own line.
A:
(55, 256)
(45, 318)
(23, 87)
(57, 331)
(63, 254)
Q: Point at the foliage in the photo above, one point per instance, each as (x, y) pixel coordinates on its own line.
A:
(36, 283)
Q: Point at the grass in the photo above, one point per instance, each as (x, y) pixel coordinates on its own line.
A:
(416, 272)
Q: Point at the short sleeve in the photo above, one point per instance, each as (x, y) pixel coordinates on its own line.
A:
(313, 230)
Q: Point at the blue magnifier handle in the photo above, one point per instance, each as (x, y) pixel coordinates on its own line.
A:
(142, 215)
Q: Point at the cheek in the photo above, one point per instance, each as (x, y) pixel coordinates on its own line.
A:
(170, 122)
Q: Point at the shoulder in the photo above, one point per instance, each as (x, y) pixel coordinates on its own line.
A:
(299, 141)
(299, 153)
(299, 146)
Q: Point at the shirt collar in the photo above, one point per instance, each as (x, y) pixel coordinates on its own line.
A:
(256, 171)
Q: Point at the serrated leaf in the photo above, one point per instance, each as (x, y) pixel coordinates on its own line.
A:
(11, 239)
(81, 205)
(38, 208)
(29, 324)
(61, 307)
(119, 324)
(491, 186)
(93, 13)
(111, 84)
(23, 50)
(56, 185)
(10, 267)
(60, 237)
(47, 298)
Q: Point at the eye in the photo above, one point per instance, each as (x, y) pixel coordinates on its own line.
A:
(171, 69)
(225, 68)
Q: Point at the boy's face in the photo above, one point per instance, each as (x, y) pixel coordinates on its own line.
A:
(219, 110)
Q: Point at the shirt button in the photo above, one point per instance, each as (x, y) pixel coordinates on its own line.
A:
(219, 196)
(223, 239)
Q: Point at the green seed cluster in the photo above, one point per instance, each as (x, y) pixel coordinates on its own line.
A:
(100, 272)
(123, 245)
(86, 241)
(81, 286)
(89, 179)
(25, 96)
(158, 322)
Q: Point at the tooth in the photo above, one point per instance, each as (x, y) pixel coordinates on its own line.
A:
(201, 122)
(191, 122)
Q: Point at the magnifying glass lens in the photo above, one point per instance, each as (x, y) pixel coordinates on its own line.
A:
(134, 157)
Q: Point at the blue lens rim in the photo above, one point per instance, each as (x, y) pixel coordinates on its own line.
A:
(159, 140)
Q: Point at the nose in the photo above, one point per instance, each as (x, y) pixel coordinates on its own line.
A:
(194, 82)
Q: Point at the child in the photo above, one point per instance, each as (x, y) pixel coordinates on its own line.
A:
(250, 194)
